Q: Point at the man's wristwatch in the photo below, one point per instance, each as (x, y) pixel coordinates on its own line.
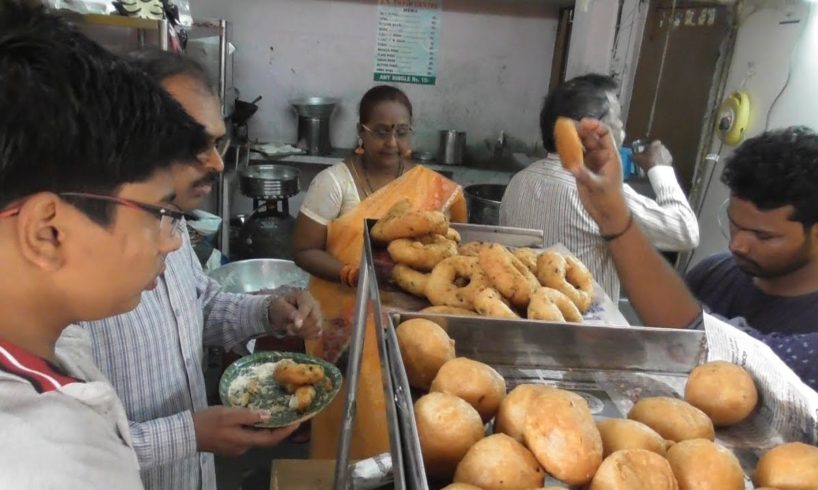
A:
(278, 333)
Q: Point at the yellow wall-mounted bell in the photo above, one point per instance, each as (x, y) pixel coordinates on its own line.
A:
(733, 118)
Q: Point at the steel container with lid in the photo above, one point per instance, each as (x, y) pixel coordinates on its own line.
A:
(268, 181)
(452, 146)
(313, 123)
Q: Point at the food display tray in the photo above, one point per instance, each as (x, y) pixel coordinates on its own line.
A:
(394, 299)
(610, 366)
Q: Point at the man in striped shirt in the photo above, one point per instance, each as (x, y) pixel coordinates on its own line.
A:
(544, 195)
(154, 355)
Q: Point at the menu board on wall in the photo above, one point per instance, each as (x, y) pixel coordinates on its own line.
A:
(408, 41)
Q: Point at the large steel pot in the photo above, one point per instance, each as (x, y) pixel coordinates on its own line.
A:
(313, 123)
(484, 203)
(250, 276)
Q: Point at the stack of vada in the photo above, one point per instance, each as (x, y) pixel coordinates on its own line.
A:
(479, 278)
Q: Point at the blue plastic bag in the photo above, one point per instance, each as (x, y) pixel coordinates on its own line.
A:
(628, 167)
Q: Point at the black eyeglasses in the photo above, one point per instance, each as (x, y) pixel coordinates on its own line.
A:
(170, 219)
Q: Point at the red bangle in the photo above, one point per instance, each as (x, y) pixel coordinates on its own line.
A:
(347, 273)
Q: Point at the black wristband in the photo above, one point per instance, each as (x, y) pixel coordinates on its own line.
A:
(610, 238)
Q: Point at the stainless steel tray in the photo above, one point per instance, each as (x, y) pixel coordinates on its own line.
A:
(508, 236)
(611, 367)
(368, 297)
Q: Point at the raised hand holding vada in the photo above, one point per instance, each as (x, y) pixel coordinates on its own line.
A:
(656, 291)
(599, 181)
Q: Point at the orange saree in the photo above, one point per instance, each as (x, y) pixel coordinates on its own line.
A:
(427, 190)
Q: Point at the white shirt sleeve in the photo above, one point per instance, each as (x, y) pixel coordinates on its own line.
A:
(668, 221)
(324, 198)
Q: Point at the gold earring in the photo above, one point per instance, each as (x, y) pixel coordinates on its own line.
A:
(407, 153)
(360, 149)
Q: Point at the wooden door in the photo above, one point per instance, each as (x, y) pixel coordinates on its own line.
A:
(561, 47)
(679, 64)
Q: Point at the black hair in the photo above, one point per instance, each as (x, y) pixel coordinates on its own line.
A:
(76, 118)
(583, 96)
(161, 65)
(776, 169)
(597, 80)
(377, 95)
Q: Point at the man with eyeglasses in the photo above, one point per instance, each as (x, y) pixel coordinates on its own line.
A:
(154, 355)
(86, 223)
(768, 282)
(544, 195)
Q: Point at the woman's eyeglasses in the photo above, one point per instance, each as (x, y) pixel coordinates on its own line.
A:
(170, 218)
(401, 132)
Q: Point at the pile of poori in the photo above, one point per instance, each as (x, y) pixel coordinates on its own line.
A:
(538, 430)
(480, 278)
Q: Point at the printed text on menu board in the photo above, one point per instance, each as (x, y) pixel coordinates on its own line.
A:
(407, 41)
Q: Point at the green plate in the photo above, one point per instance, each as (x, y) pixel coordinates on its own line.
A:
(271, 396)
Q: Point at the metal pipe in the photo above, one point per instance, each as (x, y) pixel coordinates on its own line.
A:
(398, 466)
(342, 469)
(163, 34)
(670, 21)
(223, 64)
(414, 471)
(223, 203)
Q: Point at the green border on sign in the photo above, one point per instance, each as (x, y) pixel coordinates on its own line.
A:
(400, 78)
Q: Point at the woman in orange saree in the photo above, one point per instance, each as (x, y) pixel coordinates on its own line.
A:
(328, 242)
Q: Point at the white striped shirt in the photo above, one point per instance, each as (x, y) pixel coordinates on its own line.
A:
(154, 357)
(544, 196)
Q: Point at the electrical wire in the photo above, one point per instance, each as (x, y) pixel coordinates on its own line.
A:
(712, 171)
(790, 66)
(671, 19)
